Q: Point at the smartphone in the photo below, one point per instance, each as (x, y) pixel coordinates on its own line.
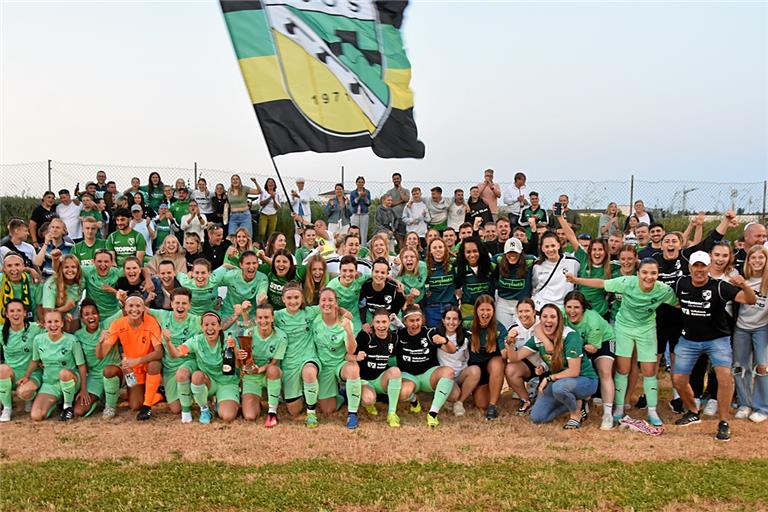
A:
(557, 208)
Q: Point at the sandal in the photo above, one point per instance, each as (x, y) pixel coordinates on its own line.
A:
(525, 407)
(572, 424)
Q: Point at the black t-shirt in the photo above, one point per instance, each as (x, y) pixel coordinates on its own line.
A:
(416, 354)
(216, 253)
(478, 209)
(41, 215)
(377, 354)
(738, 260)
(703, 308)
(388, 298)
(123, 284)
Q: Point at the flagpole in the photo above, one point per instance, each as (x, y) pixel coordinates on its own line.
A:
(282, 185)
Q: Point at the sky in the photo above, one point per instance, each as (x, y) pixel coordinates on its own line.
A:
(562, 90)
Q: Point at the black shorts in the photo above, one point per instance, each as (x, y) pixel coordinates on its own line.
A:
(669, 328)
(607, 349)
(485, 377)
(530, 366)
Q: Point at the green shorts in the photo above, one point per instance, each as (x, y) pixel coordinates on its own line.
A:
(293, 386)
(645, 342)
(376, 384)
(254, 384)
(36, 377)
(225, 387)
(421, 381)
(95, 385)
(53, 387)
(328, 380)
(169, 380)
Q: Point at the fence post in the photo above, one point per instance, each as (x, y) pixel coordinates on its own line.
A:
(765, 193)
(342, 176)
(195, 183)
(49, 180)
(631, 192)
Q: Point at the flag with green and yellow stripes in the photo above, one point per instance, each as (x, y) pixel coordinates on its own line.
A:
(326, 75)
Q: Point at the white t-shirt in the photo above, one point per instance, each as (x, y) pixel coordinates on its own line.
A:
(555, 290)
(203, 201)
(456, 361)
(191, 224)
(70, 214)
(510, 198)
(753, 316)
(269, 209)
(643, 218)
(523, 335)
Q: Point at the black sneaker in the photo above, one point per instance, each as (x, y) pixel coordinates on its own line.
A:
(689, 418)
(642, 403)
(491, 413)
(67, 414)
(145, 413)
(677, 405)
(723, 431)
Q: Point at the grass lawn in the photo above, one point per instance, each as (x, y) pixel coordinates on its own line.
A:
(519, 484)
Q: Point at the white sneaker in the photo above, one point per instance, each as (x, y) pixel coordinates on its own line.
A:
(711, 408)
(757, 416)
(6, 414)
(186, 417)
(108, 413)
(607, 423)
(743, 412)
(458, 409)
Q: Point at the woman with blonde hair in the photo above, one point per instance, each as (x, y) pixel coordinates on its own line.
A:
(62, 291)
(315, 279)
(171, 250)
(413, 274)
(241, 242)
(239, 211)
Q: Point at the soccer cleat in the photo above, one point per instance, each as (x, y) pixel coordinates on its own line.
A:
(5, 416)
(743, 412)
(415, 409)
(108, 413)
(458, 409)
(393, 420)
(642, 403)
(654, 420)
(607, 423)
(205, 416)
(758, 416)
(372, 410)
(711, 408)
(491, 413)
(723, 431)
(524, 408)
(311, 420)
(689, 418)
(145, 413)
(572, 424)
(676, 404)
(352, 420)
(640, 426)
(432, 421)
(67, 414)
(271, 420)
(186, 416)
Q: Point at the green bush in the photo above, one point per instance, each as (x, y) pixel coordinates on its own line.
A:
(15, 206)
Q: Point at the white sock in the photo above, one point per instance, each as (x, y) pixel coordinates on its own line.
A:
(272, 409)
(67, 405)
(675, 394)
(607, 409)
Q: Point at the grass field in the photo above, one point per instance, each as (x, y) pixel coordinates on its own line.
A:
(465, 464)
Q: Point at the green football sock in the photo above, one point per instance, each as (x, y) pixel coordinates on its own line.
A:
(200, 393)
(5, 392)
(620, 383)
(273, 392)
(111, 391)
(68, 388)
(442, 390)
(393, 393)
(310, 393)
(185, 395)
(651, 388)
(354, 390)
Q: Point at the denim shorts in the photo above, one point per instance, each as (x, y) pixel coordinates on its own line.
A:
(687, 352)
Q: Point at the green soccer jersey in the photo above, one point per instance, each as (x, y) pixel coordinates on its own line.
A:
(264, 350)
(348, 297)
(125, 245)
(162, 230)
(203, 297)
(179, 209)
(17, 351)
(595, 296)
(330, 342)
(573, 347)
(86, 254)
(106, 302)
(64, 354)
(88, 342)
(154, 198)
(593, 328)
(301, 254)
(181, 330)
(417, 280)
(73, 293)
(238, 289)
(441, 286)
(638, 307)
(277, 283)
(297, 328)
(208, 358)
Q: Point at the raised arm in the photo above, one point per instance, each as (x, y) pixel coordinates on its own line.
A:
(583, 281)
(570, 235)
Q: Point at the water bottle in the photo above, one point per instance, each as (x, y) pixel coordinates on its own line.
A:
(128, 375)
(229, 361)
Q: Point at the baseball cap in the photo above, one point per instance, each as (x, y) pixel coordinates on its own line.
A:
(162, 205)
(136, 208)
(300, 180)
(585, 236)
(513, 245)
(700, 257)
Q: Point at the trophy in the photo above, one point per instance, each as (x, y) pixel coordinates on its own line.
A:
(246, 365)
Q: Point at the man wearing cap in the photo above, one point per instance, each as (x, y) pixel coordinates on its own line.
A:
(705, 331)
(754, 234)
(125, 241)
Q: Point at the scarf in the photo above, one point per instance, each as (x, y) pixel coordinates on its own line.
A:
(6, 294)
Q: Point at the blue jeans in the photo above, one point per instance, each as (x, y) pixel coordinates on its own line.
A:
(750, 350)
(240, 220)
(687, 352)
(434, 313)
(560, 397)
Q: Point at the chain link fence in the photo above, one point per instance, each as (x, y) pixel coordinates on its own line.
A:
(665, 197)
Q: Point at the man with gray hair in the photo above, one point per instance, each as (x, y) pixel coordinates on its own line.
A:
(754, 234)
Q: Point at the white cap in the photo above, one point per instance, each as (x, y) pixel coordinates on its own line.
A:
(513, 245)
(700, 257)
(300, 180)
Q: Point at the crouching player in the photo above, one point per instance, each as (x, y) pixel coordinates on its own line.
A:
(209, 381)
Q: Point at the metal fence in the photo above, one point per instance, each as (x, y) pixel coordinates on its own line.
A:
(672, 197)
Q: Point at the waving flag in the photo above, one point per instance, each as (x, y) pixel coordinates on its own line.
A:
(325, 78)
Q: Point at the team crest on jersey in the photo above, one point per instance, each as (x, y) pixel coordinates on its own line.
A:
(391, 347)
(388, 299)
(424, 342)
(706, 294)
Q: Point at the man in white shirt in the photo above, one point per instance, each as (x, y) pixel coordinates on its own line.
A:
(194, 221)
(300, 204)
(69, 211)
(515, 197)
(438, 210)
(416, 215)
(457, 210)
